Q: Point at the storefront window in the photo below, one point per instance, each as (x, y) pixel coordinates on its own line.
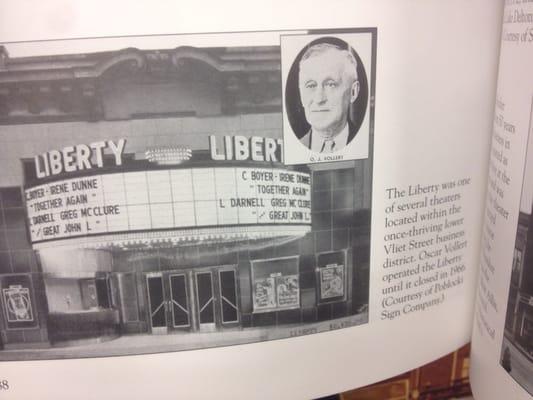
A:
(275, 284)
(331, 276)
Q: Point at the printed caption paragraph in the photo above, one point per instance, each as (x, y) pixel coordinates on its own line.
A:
(424, 243)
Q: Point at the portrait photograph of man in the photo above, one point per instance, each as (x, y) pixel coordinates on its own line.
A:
(326, 97)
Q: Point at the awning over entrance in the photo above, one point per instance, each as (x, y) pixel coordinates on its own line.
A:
(254, 236)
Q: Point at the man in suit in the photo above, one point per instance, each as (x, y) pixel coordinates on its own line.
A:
(328, 85)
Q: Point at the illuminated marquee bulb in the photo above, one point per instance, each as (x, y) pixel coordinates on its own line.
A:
(168, 155)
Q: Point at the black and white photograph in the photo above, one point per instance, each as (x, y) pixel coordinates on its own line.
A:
(146, 205)
(517, 347)
(328, 86)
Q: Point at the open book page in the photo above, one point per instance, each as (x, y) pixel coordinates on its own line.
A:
(242, 174)
(502, 352)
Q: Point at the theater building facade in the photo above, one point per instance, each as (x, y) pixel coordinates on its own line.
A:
(144, 192)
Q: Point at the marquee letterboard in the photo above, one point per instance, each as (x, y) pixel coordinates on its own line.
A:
(167, 199)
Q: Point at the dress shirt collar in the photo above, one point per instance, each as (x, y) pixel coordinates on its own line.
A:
(319, 145)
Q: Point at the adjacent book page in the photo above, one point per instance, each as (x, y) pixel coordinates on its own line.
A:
(502, 343)
(237, 201)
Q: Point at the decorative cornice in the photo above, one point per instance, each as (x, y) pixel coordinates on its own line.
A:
(67, 87)
(243, 64)
(64, 68)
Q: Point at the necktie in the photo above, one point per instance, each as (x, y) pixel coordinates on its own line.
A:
(328, 146)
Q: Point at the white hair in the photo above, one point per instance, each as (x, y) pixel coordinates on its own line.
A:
(350, 67)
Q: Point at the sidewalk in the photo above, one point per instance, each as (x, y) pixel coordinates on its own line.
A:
(149, 343)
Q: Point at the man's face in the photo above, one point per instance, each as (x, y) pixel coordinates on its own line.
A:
(326, 91)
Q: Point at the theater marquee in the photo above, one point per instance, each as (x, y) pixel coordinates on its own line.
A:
(168, 199)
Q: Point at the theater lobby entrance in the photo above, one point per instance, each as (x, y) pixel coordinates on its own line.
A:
(203, 299)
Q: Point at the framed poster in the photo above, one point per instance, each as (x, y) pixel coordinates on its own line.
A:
(264, 295)
(275, 284)
(332, 281)
(287, 290)
(18, 302)
(331, 276)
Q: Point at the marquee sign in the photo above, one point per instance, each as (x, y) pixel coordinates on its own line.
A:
(77, 158)
(168, 199)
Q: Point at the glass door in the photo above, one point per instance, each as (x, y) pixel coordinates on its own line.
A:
(195, 300)
(205, 301)
(157, 304)
(179, 301)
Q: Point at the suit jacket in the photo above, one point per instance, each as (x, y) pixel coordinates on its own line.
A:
(306, 139)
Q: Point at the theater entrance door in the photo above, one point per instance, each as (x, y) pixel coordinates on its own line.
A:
(200, 299)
